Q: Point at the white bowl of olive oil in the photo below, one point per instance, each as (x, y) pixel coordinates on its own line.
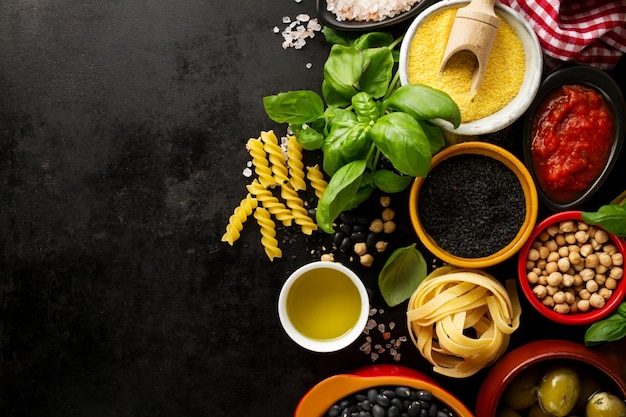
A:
(323, 306)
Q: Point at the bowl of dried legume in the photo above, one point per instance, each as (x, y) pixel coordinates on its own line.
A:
(476, 207)
(572, 272)
(511, 79)
(380, 390)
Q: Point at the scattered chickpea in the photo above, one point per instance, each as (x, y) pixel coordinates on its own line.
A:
(376, 226)
(388, 214)
(327, 257)
(360, 248)
(366, 260)
(389, 226)
(548, 301)
(381, 246)
(385, 201)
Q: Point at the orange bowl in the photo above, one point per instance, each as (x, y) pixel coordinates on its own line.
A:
(541, 352)
(322, 396)
(578, 318)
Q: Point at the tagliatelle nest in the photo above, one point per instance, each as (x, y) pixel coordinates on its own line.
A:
(461, 319)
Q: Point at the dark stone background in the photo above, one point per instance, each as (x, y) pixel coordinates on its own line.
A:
(122, 144)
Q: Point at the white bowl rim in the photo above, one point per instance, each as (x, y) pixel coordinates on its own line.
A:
(530, 85)
(331, 345)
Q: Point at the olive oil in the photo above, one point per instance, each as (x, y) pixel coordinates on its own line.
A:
(323, 304)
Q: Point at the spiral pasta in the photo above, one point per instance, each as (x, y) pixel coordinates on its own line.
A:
(294, 161)
(260, 162)
(316, 178)
(300, 214)
(271, 203)
(268, 233)
(276, 157)
(451, 306)
(239, 216)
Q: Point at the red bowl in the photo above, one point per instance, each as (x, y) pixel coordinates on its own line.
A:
(517, 360)
(579, 318)
(322, 396)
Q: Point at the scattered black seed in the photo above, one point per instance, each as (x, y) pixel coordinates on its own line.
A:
(471, 205)
(390, 401)
(346, 244)
(358, 237)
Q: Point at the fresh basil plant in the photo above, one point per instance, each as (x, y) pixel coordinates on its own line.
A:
(362, 117)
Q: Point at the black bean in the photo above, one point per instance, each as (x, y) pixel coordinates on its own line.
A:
(346, 244)
(371, 240)
(338, 238)
(363, 220)
(378, 411)
(424, 395)
(393, 411)
(359, 228)
(382, 400)
(423, 412)
(403, 392)
(365, 405)
(414, 409)
(389, 393)
(334, 411)
(360, 397)
(442, 413)
(358, 237)
(364, 414)
(344, 404)
(345, 217)
(432, 411)
(371, 395)
(345, 228)
(397, 402)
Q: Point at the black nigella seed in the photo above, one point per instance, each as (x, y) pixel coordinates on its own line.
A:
(345, 217)
(475, 215)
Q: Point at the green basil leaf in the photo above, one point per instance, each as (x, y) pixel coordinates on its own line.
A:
(333, 36)
(373, 40)
(424, 103)
(390, 182)
(300, 106)
(434, 135)
(377, 73)
(401, 139)
(342, 72)
(348, 145)
(309, 138)
(363, 193)
(338, 194)
(365, 107)
(402, 274)
(611, 217)
(606, 330)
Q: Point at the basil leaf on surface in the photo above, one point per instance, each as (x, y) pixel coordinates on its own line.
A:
(373, 40)
(401, 139)
(339, 193)
(377, 73)
(342, 73)
(309, 138)
(403, 272)
(390, 182)
(424, 103)
(610, 217)
(300, 106)
(607, 330)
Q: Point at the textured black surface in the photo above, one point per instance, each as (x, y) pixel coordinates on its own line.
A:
(122, 133)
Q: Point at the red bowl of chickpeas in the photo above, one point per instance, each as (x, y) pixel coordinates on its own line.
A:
(572, 272)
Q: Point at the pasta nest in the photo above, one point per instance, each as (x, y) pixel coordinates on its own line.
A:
(461, 319)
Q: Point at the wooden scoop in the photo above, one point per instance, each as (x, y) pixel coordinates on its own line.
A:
(474, 29)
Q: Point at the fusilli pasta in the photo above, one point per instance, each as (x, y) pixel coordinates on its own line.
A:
(316, 178)
(260, 162)
(239, 216)
(276, 157)
(300, 214)
(294, 161)
(268, 233)
(270, 202)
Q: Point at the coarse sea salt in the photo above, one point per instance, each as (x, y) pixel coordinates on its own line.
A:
(298, 30)
(368, 10)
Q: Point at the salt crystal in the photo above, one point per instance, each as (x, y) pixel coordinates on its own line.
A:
(247, 172)
(374, 356)
(286, 19)
(303, 17)
(276, 29)
(392, 325)
(309, 65)
(371, 323)
(381, 328)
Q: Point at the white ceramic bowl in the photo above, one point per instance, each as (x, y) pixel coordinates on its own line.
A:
(319, 287)
(532, 78)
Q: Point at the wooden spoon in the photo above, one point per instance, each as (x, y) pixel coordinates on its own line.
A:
(474, 29)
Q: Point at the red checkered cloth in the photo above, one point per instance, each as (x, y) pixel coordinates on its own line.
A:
(591, 32)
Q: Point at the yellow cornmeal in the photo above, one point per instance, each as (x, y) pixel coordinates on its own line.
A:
(502, 78)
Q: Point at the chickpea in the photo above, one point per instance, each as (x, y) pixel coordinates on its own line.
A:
(563, 264)
(543, 252)
(581, 236)
(605, 259)
(583, 226)
(543, 279)
(376, 226)
(533, 254)
(381, 246)
(555, 279)
(560, 239)
(592, 286)
(540, 291)
(366, 260)
(610, 248)
(611, 283)
(616, 273)
(578, 281)
(600, 279)
(570, 238)
(536, 244)
(537, 270)
(551, 245)
(327, 257)
(586, 250)
(592, 230)
(570, 297)
(587, 274)
(601, 236)
(559, 297)
(605, 293)
(617, 258)
(530, 265)
(389, 226)
(595, 245)
(360, 248)
(596, 301)
(574, 248)
(553, 256)
(592, 260)
(601, 269)
(574, 258)
(568, 280)
(541, 264)
(579, 266)
(532, 277)
(584, 294)
(543, 236)
(563, 251)
(552, 289)
(388, 214)
(583, 305)
(548, 301)
(568, 226)
(552, 230)
(551, 267)
(561, 308)
(385, 201)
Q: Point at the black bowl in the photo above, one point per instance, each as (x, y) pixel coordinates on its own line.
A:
(602, 83)
(329, 19)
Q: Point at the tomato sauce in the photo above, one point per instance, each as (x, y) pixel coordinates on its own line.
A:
(572, 136)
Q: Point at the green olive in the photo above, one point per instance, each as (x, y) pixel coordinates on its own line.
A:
(558, 391)
(604, 404)
(506, 412)
(521, 392)
(536, 411)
